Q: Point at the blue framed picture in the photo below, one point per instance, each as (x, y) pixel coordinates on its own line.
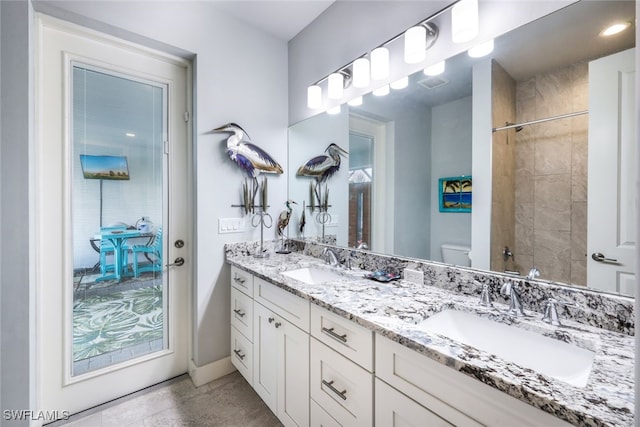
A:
(454, 194)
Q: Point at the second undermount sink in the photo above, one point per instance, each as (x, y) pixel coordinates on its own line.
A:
(557, 359)
(313, 275)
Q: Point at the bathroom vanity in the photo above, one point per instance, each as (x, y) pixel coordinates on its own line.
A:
(323, 345)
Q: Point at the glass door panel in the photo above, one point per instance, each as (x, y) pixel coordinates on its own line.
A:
(118, 212)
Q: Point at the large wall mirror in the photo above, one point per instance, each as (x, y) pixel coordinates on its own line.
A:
(406, 186)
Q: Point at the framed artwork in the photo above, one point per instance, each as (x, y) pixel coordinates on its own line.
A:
(104, 167)
(454, 194)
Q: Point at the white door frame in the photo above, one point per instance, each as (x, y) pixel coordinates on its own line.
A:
(52, 228)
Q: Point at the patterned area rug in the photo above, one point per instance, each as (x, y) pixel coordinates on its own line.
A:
(106, 323)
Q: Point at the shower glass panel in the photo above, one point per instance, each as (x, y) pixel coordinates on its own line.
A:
(118, 183)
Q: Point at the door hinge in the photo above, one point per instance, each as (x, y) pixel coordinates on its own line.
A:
(187, 116)
(166, 147)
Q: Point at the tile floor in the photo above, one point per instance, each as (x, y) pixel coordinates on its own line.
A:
(228, 401)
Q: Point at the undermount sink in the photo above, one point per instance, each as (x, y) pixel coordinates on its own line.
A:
(557, 359)
(313, 275)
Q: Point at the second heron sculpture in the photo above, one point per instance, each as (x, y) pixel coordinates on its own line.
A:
(283, 222)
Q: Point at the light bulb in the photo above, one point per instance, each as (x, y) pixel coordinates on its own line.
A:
(415, 44)
(314, 97)
(380, 63)
(401, 83)
(464, 21)
(481, 50)
(335, 86)
(381, 91)
(361, 76)
(435, 69)
(355, 101)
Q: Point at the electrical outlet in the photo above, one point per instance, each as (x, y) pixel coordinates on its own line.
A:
(414, 276)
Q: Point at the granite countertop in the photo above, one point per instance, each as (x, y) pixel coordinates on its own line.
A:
(395, 308)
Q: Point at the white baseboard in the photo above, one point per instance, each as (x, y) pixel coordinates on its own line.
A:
(201, 375)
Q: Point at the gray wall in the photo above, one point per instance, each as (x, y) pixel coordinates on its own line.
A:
(17, 387)
(451, 154)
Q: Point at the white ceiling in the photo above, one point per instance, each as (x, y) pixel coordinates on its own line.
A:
(283, 19)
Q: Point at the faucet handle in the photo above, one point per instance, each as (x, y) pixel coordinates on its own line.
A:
(551, 311)
(485, 295)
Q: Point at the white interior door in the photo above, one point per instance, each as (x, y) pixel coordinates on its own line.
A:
(90, 88)
(611, 194)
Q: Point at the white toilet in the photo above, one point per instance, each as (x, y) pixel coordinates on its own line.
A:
(456, 254)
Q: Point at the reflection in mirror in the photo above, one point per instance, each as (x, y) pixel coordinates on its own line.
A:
(542, 183)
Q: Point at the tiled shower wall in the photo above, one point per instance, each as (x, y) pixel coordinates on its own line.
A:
(551, 175)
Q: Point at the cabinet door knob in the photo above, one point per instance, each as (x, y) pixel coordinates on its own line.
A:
(271, 319)
(278, 324)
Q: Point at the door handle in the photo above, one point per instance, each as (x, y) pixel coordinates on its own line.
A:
(597, 256)
(177, 262)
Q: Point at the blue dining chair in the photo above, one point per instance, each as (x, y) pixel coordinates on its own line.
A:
(152, 251)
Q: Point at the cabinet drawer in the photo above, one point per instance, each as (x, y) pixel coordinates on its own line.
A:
(242, 313)
(242, 354)
(344, 336)
(289, 306)
(447, 392)
(320, 417)
(342, 388)
(394, 409)
(242, 280)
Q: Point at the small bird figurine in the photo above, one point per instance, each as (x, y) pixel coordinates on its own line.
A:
(284, 217)
(324, 166)
(248, 156)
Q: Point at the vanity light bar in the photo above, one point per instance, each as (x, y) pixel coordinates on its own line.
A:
(417, 39)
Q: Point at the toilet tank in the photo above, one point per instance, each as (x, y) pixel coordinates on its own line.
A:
(456, 254)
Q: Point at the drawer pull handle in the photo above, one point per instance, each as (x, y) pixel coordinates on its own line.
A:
(332, 334)
(239, 312)
(239, 354)
(335, 390)
(240, 280)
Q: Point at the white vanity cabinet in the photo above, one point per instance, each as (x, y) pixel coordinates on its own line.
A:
(242, 323)
(451, 396)
(281, 352)
(341, 364)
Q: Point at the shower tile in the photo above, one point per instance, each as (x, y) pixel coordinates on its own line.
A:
(524, 240)
(580, 73)
(552, 203)
(554, 93)
(552, 254)
(579, 273)
(578, 230)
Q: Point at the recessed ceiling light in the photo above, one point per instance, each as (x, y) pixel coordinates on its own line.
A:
(615, 28)
(130, 134)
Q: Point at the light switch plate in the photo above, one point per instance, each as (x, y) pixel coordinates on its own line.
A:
(230, 225)
(414, 276)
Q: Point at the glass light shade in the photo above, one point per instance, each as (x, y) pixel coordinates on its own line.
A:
(355, 101)
(415, 44)
(401, 83)
(435, 69)
(334, 110)
(314, 97)
(615, 29)
(481, 50)
(335, 86)
(381, 91)
(380, 63)
(361, 76)
(464, 21)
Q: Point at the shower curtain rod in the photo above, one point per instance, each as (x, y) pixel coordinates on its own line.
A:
(533, 122)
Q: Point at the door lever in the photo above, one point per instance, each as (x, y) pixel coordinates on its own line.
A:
(177, 262)
(597, 256)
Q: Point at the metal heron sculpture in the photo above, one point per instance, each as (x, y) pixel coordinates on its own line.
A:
(248, 156)
(324, 166)
(283, 221)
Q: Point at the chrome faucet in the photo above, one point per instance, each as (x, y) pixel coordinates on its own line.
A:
(533, 273)
(515, 307)
(330, 257)
(551, 311)
(485, 296)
